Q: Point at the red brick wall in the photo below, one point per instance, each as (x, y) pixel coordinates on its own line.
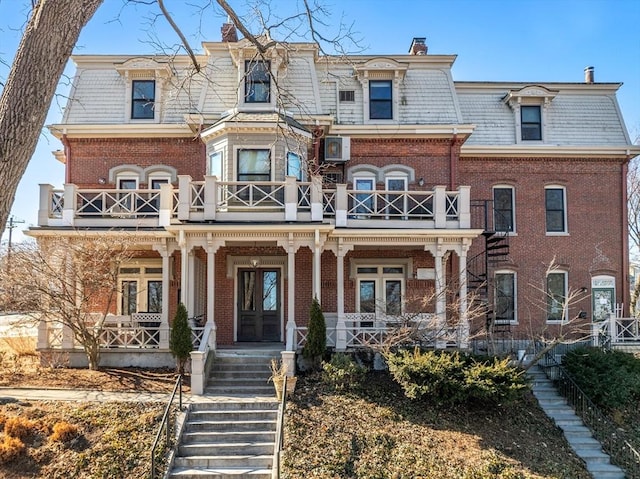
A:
(594, 220)
(92, 158)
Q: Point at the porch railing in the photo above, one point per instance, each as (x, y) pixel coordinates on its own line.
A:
(616, 331)
(164, 442)
(288, 200)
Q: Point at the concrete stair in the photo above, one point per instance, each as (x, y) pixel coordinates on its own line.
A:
(230, 431)
(577, 434)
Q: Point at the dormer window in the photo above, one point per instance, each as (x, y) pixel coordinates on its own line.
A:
(257, 83)
(380, 100)
(531, 123)
(143, 93)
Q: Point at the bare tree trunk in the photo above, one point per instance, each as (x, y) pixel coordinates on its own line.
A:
(46, 45)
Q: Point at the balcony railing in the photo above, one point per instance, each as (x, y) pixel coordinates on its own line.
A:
(289, 200)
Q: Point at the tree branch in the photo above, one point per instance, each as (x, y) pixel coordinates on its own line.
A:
(183, 39)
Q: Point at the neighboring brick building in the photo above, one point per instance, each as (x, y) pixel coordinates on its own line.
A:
(370, 182)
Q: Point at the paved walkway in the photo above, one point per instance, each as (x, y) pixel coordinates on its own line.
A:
(35, 394)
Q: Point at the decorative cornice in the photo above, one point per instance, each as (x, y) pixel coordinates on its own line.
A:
(128, 130)
(402, 131)
(552, 151)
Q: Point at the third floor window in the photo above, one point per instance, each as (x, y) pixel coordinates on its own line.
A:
(257, 83)
(143, 93)
(380, 100)
(531, 122)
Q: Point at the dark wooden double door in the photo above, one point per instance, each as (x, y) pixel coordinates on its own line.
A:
(259, 305)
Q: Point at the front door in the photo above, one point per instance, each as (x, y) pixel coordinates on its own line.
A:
(259, 305)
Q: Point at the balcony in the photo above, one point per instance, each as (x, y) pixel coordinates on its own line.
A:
(261, 201)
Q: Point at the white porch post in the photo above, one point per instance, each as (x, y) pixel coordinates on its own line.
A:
(341, 327)
(317, 253)
(441, 298)
(191, 282)
(463, 327)
(291, 295)
(165, 253)
(212, 248)
(184, 266)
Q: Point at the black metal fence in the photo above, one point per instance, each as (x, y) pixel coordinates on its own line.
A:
(165, 438)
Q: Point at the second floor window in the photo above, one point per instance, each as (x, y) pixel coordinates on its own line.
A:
(505, 299)
(531, 122)
(555, 210)
(254, 165)
(380, 100)
(503, 209)
(257, 82)
(294, 165)
(143, 93)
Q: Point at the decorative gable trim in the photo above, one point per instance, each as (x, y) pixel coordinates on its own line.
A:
(537, 94)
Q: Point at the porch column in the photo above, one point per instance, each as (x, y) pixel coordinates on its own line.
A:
(184, 267)
(317, 253)
(291, 295)
(165, 253)
(463, 326)
(341, 326)
(191, 282)
(212, 248)
(441, 297)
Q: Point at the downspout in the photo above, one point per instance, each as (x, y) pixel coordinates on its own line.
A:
(625, 237)
(452, 161)
(318, 133)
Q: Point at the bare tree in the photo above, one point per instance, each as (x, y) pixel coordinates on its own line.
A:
(71, 283)
(47, 42)
(633, 211)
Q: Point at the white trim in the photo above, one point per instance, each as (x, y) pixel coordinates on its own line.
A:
(566, 289)
(565, 231)
(237, 267)
(272, 158)
(142, 278)
(513, 205)
(515, 293)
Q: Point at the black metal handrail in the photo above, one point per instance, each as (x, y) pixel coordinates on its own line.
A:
(166, 424)
(614, 440)
(279, 445)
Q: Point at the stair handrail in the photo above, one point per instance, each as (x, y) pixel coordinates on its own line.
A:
(614, 440)
(165, 423)
(279, 444)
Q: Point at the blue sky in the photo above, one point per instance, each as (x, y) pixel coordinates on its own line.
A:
(495, 40)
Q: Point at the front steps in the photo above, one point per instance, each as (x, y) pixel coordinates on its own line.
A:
(227, 440)
(577, 434)
(230, 431)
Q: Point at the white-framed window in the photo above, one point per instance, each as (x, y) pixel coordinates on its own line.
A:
(531, 122)
(127, 182)
(257, 81)
(216, 165)
(396, 207)
(140, 287)
(556, 291)
(555, 203)
(253, 164)
(143, 98)
(505, 297)
(294, 165)
(504, 213)
(364, 203)
(381, 289)
(380, 99)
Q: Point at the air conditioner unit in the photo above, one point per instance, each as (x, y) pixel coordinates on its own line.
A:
(337, 149)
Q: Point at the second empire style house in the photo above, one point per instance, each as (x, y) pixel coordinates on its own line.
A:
(376, 184)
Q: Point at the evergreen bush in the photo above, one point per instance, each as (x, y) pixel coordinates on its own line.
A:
(342, 372)
(454, 378)
(316, 343)
(180, 341)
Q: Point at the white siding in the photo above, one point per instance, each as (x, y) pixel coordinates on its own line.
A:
(494, 120)
(298, 88)
(181, 95)
(428, 97)
(98, 98)
(222, 86)
(583, 120)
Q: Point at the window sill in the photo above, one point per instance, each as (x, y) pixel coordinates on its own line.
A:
(559, 233)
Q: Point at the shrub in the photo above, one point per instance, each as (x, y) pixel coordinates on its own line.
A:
(180, 341)
(316, 336)
(342, 372)
(10, 449)
(19, 427)
(610, 378)
(63, 432)
(454, 378)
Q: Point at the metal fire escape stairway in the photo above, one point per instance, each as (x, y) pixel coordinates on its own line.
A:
(481, 266)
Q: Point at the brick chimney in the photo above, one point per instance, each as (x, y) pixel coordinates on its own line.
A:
(418, 46)
(588, 75)
(229, 33)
